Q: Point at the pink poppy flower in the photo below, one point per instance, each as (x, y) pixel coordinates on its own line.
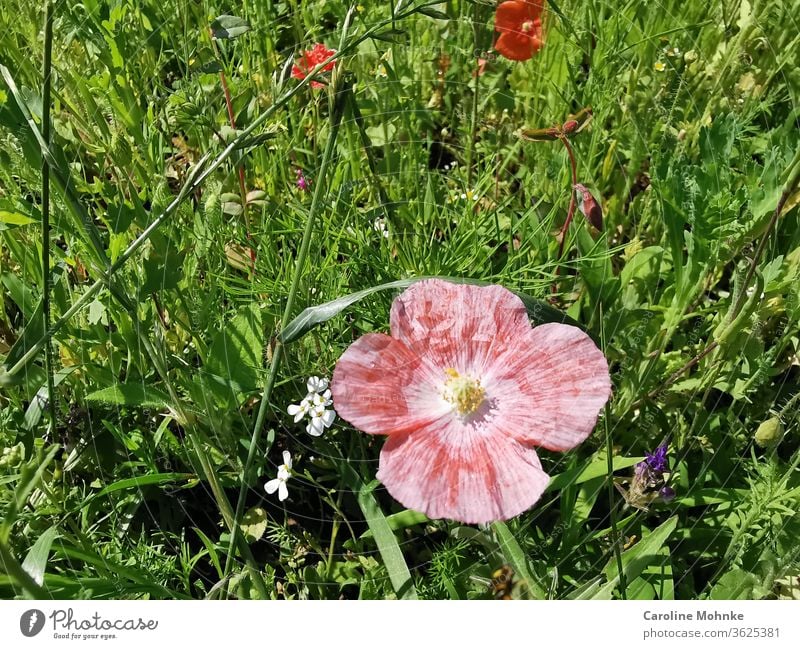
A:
(465, 389)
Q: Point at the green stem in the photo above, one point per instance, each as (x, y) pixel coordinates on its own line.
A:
(48, 350)
(339, 96)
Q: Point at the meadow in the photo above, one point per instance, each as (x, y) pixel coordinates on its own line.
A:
(204, 204)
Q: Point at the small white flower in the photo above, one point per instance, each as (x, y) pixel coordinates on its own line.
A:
(321, 418)
(380, 227)
(316, 384)
(299, 410)
(279, 483)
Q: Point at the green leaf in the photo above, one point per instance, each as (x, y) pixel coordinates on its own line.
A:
(635, 560)
(400, 521)
(130, 394)
(254, 524)
(14, 218)
(235, 353)
(36, 559)
(142, 481)
(539, 312)
(513, 553)
(736, 584)
(390, 552)
(433, 13)
(595, 469)
(163, 269)
(228, 27)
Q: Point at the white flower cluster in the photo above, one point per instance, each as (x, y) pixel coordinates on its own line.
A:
(316, 405)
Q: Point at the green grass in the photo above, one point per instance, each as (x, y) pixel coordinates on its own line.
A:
(171, 381)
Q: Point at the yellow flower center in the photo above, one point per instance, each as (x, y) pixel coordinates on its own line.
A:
(464, 392)
(527, 26)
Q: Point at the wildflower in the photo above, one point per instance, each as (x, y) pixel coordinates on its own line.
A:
(302, 182)
(649, 481)
(315, 405)
(520, 25)
(279, 483)
(465, 389)
(379, 225)
(659, 66)
(657, 460)
(672, 51)
(311, 59)
(321, 416)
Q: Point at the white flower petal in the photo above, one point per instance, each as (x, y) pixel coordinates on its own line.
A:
(328, 417)
(283, 492)
(316, 384)
(287, 459)
(272, 486)
(315, 428)
(297, 411)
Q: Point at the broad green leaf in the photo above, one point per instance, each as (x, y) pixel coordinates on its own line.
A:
(538, 311)
(635, 560)
(36, 560)
(236, 352)
(254, 524)
(228, 27)
(131, 394)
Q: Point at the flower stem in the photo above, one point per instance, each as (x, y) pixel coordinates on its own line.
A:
(571, 208)
(340, 92)
(48, 349)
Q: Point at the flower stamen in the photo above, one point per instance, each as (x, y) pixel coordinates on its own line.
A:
(465, 393)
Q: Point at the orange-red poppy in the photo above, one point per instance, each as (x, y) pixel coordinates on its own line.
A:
(520, 25)
(311, 59)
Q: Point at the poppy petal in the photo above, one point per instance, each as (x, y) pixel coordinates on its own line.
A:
(510, 16)
(516, 45)
(457, 325)
(381, 387)
(549, 388)
(465, 473)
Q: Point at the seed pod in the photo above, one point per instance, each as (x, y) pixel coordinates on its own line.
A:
(570, 126)
(589, 206)
(769, 433)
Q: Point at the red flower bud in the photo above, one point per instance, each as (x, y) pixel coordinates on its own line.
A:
(589, 206)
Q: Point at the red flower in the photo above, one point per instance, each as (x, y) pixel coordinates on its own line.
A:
(465, 389)
(311, 59)
(520, 25)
